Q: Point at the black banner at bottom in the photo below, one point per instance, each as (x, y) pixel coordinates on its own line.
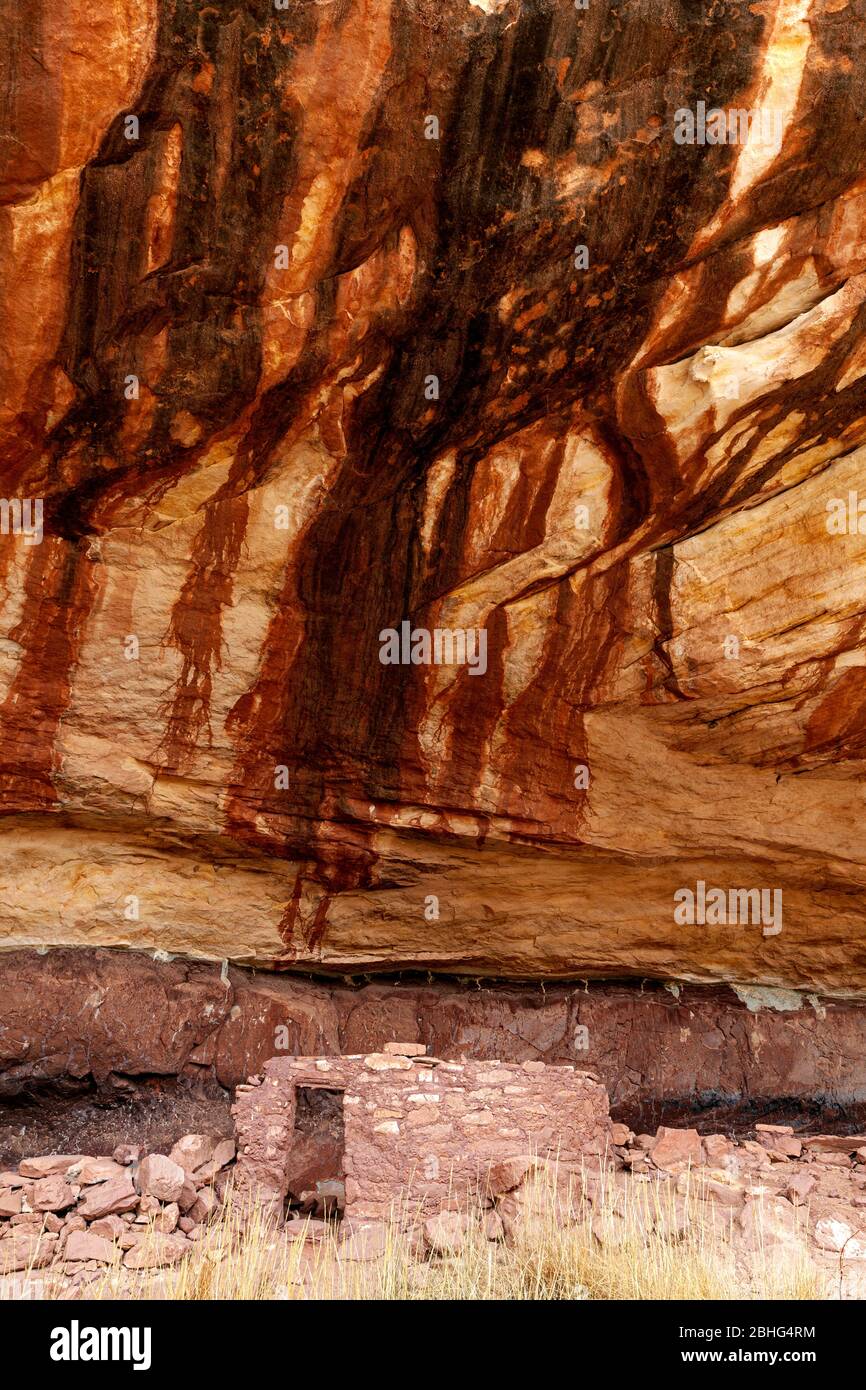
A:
(152, 1338)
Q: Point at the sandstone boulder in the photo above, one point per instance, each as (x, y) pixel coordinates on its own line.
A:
(222, 1155)
(14, 1180)
(125, 1154)
(447, 1232)
(192, 1151)
(188, 1196)
(160, 1177)
(48, 1165)
(51, 1194)
(205, 1206)
(837, 1236)
(109, 1227)
(676, 1149)
(167, 1220)
(768, 1222)
(834, 1143)
(84, 1245)
(306, 1229)
(154, 1251)
(10, 1202)
(23, 1250)
(798, 1188)
(93, 1170)
(363, 1240)
(108, 1198)
(507, 1174)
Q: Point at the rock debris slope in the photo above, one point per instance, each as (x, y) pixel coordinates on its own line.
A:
(323, 319)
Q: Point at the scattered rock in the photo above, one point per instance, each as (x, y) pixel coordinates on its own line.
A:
(447, 1232)
(506, 1175)
(675, 1149)
(716, 1147)
(46, 1167)
(715, 1184)
(10, 1202)
(150, 1211)
(154, 1251)
(491, 1225)
(609, 1229)
(769, 1221)
(672, 1220)
(222, 1182)
(84, 1245)
(798, 1188)
(755, 1151)
(363, 1240)
(108, 1198)
(541, 1198)
(51, 1194)
(835, 1235)
(222, 1155)
(166, 1220)
(206, 1205)
(125, 1154)
(110, 1227)
(188, 1196)
(779, 1139)
(160, 1177)
(24, 1250)
(192, 1151)
(306, 1228)
(14, 1180)
(834, 1143)
(96, 1170)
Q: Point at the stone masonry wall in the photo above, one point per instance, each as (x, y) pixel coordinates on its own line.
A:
(416, 1127)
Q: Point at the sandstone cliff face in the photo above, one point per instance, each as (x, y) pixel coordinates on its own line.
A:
(221, 321)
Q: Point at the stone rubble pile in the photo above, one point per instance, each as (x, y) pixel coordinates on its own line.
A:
(826, 1165)
(807, 1193)
(143, 1210)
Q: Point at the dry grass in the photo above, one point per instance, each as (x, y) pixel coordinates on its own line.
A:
(641, 1242)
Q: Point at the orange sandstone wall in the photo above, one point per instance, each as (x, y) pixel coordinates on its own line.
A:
(321, 319)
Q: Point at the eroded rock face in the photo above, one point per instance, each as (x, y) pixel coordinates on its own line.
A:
(221, 322)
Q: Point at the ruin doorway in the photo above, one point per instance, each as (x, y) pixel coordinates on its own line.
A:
(314, 1166)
